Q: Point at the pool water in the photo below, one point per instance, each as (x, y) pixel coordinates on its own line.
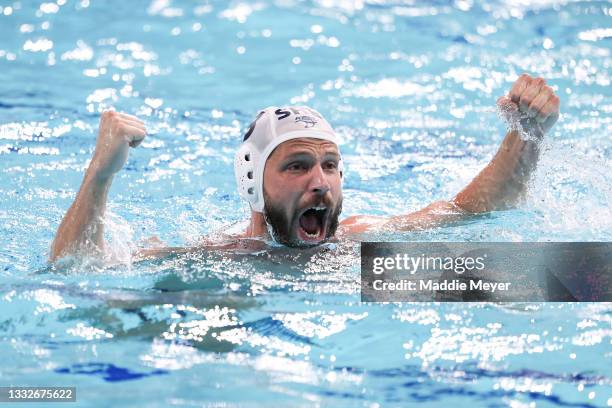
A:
(411, 89)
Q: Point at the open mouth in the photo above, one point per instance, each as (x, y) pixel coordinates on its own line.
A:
(312, 224)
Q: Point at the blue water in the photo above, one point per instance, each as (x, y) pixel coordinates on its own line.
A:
(411, 89)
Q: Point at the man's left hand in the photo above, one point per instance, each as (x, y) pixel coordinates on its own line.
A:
(532, 102)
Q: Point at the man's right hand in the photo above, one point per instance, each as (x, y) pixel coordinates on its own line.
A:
(118, 132)
(82, 228)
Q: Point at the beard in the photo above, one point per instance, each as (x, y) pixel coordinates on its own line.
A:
(279, 225)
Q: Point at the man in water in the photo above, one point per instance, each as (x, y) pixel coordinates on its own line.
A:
(290, 170)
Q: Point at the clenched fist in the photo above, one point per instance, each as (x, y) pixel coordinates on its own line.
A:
(118, 132)
(531, 102)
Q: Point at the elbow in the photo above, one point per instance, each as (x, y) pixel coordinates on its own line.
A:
(55, 252)
(472, 204)
(480, 204)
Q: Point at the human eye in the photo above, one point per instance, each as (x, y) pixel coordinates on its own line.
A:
(296, 166)
(330, 165)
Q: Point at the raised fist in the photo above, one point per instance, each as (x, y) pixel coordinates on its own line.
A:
(118, 132)
(531, 102)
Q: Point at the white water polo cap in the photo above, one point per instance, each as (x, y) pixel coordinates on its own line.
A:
(271, 127)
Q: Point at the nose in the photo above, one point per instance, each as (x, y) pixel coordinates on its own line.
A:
(319, 184)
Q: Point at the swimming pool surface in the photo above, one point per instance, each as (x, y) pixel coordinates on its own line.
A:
(410, 86)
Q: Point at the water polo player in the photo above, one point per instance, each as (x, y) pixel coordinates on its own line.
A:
(289, 169)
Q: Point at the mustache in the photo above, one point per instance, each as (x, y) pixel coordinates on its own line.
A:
(318, 202)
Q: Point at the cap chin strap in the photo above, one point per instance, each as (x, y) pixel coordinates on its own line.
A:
(271, 231)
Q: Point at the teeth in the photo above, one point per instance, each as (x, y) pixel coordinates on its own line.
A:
(315, 235)
(311, 235)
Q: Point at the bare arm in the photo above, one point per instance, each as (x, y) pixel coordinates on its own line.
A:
(82, 228)
(503, 181)
(501, 184)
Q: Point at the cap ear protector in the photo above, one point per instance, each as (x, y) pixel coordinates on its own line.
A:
(271, 127)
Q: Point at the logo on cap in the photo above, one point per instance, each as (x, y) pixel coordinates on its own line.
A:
(308, 121)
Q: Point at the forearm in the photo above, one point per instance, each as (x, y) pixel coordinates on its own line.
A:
(502, 183)
(82, 227)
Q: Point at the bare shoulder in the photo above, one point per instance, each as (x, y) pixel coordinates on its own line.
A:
(359, 224)
(434, 215)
